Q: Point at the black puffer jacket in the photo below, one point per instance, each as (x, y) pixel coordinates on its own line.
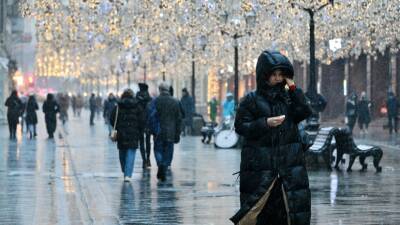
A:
(129, 122)
(144, 98)
(273, 177)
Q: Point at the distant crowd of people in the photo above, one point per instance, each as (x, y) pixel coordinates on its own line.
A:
(359, 110)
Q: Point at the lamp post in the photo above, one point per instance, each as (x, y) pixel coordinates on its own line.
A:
(203, 44)
(144, 72)
(250, 19)
(316, 100)
(163, 61)
(129, 78)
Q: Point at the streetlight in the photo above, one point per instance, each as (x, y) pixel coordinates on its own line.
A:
(317, 101)
(250, 19)
(163, 61)
(203, 44)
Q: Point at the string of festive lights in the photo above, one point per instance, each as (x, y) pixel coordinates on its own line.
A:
(162, 34)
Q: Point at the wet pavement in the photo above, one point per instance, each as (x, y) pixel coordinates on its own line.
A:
(76, 179)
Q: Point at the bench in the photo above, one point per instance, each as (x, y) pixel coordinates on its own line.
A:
(345, 145)
(322, 147)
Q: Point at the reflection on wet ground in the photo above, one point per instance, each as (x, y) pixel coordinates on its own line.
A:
(77, 180)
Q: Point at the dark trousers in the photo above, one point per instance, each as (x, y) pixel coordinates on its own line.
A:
(12, 127)
(393, 124)
(351, 122)
(163, 151)
(92, 114)
(145, 146)
(363, 125)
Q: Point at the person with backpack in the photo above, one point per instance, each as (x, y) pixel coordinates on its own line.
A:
(274, 187)
(15, 107)
(164, 121)
(128, 120)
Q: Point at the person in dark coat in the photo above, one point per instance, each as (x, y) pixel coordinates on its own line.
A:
(351, 111)
(364, 115)
(274, 187)
(31, 116)
(73, 103)
(92, 108)
(109, 104)
(188, 109)
(14, 110)
(170, 119)
(128, 126)
(392, 112)
(50, 109)
(145, 146)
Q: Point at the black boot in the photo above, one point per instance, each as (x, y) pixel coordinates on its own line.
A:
(161, 173)
(148, 164)
(144, 164)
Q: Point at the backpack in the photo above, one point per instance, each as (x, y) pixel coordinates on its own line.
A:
(153, 122)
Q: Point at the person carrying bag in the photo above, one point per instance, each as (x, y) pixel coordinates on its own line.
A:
(113, 134)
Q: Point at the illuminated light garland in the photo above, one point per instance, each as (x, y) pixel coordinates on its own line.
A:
(99, 29)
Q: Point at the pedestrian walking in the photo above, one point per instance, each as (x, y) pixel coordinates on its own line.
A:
(14, 110)
(31, 116)
(99, 105)
(351, 111)
(128, 118)
(392, 112)
(213, 107)
(109, 104)
(145, 146)
(92, 108)
(274, 186)
(73, 103)
(50, 109)
(79, 104)
(188, 110)
(63, 102)
(169, 117)
(24, 100)
(364, 115)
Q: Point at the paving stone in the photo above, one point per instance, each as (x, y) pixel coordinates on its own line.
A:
(76, 179)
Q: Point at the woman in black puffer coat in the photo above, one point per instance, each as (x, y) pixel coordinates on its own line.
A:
(129, 124)
(50, 109)
(31, 116)
(273, 178)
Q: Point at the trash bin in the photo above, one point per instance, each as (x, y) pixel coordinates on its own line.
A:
(198, 123)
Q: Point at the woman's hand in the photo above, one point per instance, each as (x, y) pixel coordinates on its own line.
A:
(289, 82)
(275, 121)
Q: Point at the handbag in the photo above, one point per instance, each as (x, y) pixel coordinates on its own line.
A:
(113, 134)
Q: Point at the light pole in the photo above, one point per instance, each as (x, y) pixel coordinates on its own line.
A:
(117, 74)
(163, 61)
(317, 101)
(203, 44)
(250, 19)
(129, 78)
(144, 72)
